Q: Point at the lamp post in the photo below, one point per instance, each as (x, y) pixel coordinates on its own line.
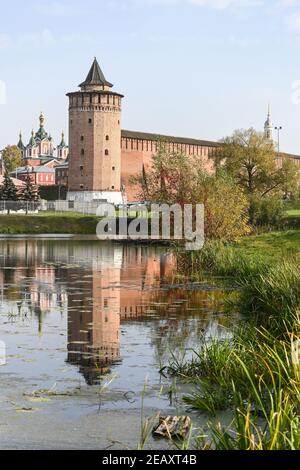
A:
(278, 129)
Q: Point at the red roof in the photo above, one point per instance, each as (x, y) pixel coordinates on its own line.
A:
(18, 183)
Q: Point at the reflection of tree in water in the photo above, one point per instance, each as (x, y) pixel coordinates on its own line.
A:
(103, 286)
(29, 280)
(184, 317)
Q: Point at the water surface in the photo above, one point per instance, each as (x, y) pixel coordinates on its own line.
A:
(92, 323)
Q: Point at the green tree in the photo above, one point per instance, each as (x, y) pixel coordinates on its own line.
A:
(8, 191)
(175, 178)
(251, 160)
(29, 192)
(12, 158)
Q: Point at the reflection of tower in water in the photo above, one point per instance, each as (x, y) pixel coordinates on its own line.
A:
(93, 316)
(118, 285)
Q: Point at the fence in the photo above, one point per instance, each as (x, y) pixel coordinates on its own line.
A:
(19, 207)
(85, 208)
(28, 207)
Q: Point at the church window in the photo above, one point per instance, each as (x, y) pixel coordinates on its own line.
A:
(107, 137)
(82, 151)
(112, 187)
(106, 152)
(113, 168)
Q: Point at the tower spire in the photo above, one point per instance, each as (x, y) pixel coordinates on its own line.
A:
(268, 129)
(96, 77)
(42, 119)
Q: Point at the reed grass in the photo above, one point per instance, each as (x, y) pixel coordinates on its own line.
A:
(252, 374)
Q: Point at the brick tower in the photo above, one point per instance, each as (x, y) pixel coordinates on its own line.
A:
(95, 140)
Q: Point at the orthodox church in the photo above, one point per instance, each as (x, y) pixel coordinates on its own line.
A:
(40, 148)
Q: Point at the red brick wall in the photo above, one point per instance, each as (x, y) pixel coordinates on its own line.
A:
(136, 153)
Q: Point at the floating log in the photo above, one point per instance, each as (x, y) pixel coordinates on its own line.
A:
(173, 426)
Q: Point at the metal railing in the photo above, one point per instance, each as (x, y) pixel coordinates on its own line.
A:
(19, 207)
(30, 207)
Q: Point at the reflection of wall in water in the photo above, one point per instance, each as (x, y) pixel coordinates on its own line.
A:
(27, 280)
(119, 285)
(102, 284)
(142, 274)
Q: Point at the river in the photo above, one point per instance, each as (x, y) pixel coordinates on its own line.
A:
(86, 326)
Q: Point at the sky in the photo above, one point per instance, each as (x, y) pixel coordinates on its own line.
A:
(191, 68)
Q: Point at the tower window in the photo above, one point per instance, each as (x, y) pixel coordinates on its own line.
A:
(106, 152)
(82, 151)
(112, 187)
(113, 168)
(90, 121)
(81, 186)
(107, 137)
(82, 138)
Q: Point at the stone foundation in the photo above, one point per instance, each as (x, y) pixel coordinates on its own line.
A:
(112, 197)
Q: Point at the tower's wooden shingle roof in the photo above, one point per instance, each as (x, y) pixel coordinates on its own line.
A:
(95, 76)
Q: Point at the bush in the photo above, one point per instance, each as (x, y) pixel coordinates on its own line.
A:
(266, 212)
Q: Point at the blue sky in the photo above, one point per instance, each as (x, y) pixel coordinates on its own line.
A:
(198, 68)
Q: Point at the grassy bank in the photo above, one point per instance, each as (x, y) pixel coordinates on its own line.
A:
(48, 223)
(255, 375)
(250, 254)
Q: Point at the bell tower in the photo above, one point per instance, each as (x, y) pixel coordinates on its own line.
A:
(95, 140)
(268, 129)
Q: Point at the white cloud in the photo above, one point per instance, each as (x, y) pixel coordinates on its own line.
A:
(223, 4)
(293, 22)
(55, 8)
(4, 41)
(214, 4)
(287, 3)
(243, 42)
(43, 39)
